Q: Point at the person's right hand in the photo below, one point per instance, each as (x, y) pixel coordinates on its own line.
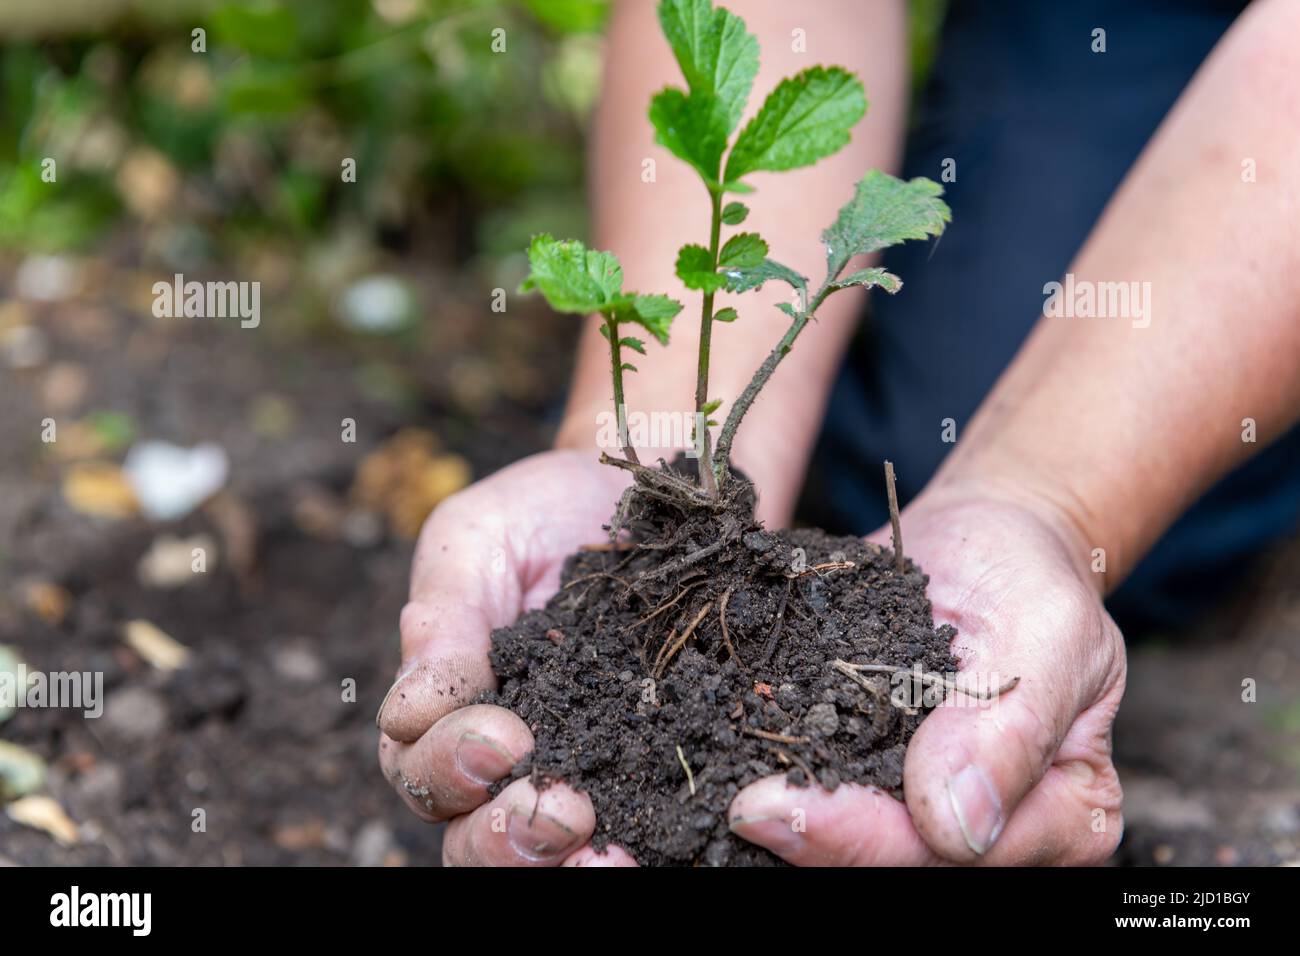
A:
(484, 556)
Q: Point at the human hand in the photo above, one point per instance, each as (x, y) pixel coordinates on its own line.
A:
(484, 556)
(1025, 780)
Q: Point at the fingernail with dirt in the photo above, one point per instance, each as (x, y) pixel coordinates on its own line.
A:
(775, 832)
(539, 836)
(481, 758)
(976, 806)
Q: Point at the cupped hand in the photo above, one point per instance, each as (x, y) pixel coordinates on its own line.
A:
(1027, 779)
(485, 555)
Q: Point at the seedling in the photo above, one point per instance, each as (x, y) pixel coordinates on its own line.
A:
(774, 650)
(805, 118)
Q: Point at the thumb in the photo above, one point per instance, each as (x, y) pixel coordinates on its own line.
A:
(972, 761)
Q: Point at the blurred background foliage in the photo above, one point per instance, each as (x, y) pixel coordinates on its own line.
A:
(222, 155)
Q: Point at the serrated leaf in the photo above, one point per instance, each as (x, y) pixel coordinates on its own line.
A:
(870, 278)
(695, 269)
(734, 213)
(806, 118)
(654, 313)
(883, 212)
(571, 277)
(787, 308)
(742, 251)
(692, 128)
(742, 280)
(633, 343)
(717, 55)
(725, 315)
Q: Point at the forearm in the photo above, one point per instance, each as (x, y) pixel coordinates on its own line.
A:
(1121, 424)
(646, 222)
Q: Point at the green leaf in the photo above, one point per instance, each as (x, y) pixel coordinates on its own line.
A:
(695, 269)
(571, 277)
(742, 280)
(711, 407)
(734, 213)
(806, 118)
(725, 315)
(742, 251)
(869, 278)
(884, 211)
(633, 343)
(654, 313)
(629, 367)
(692, 128)
(718, 56)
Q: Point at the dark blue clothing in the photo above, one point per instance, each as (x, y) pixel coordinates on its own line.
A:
(1042, 130)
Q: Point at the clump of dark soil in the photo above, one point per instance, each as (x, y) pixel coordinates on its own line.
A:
(700, 639)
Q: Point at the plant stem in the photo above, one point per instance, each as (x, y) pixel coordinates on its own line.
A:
(746, 399)
(620, 409)
(707, 478)
(895, 525)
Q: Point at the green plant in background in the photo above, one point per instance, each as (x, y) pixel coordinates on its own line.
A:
(244, 140)
(806, 118)
(212, 154)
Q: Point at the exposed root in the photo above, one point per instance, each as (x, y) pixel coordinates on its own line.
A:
(853, 671)
(726, 636)
(690, 777)
(666, 652)
(770, 649)
(775, 738)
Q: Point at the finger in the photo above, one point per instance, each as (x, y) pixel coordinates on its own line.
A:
(613, 856)
(446, 771)
(808, 826)
(1072, 818)
(444, 646)
(483, 556)
(971, 762)
(521, 827)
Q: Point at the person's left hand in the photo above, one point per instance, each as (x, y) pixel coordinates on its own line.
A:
(1025, 780)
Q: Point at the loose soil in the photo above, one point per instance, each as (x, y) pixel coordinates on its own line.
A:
(702, 640)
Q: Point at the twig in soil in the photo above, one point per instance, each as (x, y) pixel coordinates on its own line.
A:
(726, 637)
(852, 670)
(610, 546)
(826, 566)
(677, 645)
(775, 738)
(893, 516)
(690, 777)
(776, 630)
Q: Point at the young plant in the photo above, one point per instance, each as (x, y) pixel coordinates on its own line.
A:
(573, 278)
(805, 118)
